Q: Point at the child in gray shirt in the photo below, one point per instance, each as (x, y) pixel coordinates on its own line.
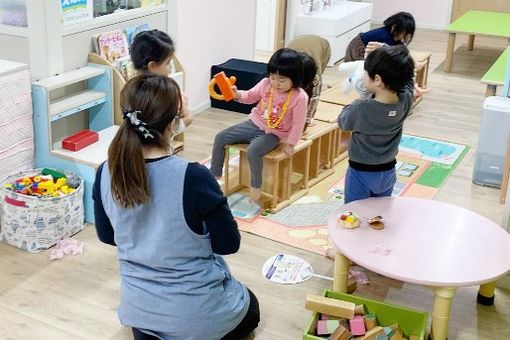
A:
(376, 122)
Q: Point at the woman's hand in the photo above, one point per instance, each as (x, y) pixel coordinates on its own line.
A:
(371, 46)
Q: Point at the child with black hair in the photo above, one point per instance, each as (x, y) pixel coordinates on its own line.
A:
(398, 29)
(153, 51)
(171, 224)
(278, 118)
(376, 122)
(315, 53)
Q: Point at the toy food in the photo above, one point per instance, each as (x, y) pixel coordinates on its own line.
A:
(348, 219)
(376, 222)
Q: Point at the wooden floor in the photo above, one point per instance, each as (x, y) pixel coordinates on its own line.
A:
(76, 298)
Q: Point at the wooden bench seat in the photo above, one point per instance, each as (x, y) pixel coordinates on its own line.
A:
(285, 178)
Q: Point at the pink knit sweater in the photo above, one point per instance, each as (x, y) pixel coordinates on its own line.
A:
(291, 127)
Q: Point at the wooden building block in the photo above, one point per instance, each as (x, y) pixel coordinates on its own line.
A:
(370, 321)
(341, 333)
(360, 310)
(373, 333)
(327, 326)
(357, 325)
(330, 306)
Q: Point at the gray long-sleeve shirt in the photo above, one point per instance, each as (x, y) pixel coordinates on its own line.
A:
(376, 128)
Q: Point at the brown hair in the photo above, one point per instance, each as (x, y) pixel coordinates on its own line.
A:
(157, 100)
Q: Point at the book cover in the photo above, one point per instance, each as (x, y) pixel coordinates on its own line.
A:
(112, 46)
(126, 68)
(132, 31)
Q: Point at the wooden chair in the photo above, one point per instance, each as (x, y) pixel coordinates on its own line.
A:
(328, 112)
(285, 178)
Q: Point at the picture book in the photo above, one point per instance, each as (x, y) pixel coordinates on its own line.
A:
(132, 31)
(112, 45)
(126, 67)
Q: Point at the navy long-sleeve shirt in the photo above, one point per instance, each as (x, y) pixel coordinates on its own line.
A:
(203, 204)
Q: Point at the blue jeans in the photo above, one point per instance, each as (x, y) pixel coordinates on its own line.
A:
(365, 184)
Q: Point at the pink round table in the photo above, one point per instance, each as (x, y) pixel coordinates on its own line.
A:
(432, 243)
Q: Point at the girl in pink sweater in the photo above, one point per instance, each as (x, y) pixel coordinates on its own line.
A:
(279, 116)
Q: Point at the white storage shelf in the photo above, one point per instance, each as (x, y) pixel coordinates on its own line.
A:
(74, 103)
(94, 154)
(68, 78)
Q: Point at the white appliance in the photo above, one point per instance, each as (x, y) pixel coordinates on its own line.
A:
(338, 23)
(492, 142)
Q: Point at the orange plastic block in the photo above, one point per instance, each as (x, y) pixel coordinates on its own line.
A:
(225, 85)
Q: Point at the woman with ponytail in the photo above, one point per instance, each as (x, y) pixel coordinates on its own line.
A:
(171, 224)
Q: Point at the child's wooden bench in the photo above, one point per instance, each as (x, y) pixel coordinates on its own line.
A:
(323, 136)
(328, 112)
(495, 75)
(285, 178)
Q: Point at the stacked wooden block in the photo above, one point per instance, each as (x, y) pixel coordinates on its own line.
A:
(344, 320)
(16, 127)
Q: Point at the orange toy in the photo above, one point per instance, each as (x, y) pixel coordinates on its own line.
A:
(224, 84)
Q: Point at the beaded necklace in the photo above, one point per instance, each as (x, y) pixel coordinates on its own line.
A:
(272, 121)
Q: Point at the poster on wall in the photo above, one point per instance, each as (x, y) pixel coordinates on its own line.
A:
(74, 11)
(13, 13)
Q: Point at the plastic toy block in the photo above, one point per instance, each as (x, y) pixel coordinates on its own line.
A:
(80, 140)
(327, 326)
(224, 84)
(55, 174)
(321, 304)
(370, 321)
(357, 325)
(360, 310)
(341, 333)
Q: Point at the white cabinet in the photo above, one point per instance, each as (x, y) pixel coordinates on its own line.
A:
(16, 128)
(339, 24)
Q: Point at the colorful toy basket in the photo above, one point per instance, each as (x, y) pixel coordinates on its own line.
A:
(36, 223)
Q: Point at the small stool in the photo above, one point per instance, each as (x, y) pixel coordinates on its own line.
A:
(285, 178)
(323, 136)
(328, 112)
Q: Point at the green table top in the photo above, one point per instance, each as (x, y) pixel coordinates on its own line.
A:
(479, 22)
(496, 74)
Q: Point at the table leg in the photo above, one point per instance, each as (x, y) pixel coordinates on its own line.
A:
(486, 294)
(341, 273)
(471, 42)
(441, 312)
(490, 91)
(449, 52)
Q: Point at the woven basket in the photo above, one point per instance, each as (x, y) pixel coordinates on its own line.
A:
(35, 224)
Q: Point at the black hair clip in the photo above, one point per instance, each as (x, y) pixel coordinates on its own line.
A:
(138, 124)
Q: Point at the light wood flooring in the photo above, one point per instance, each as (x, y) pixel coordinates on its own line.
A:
(76, 298)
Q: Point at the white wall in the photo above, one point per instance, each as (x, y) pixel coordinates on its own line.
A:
(218, 31)
(428, 14)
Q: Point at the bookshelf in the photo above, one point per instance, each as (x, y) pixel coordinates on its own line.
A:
(84, 93)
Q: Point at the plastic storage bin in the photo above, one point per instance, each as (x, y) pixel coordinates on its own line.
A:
(412, 322)
(33, 223)
(492, 142)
